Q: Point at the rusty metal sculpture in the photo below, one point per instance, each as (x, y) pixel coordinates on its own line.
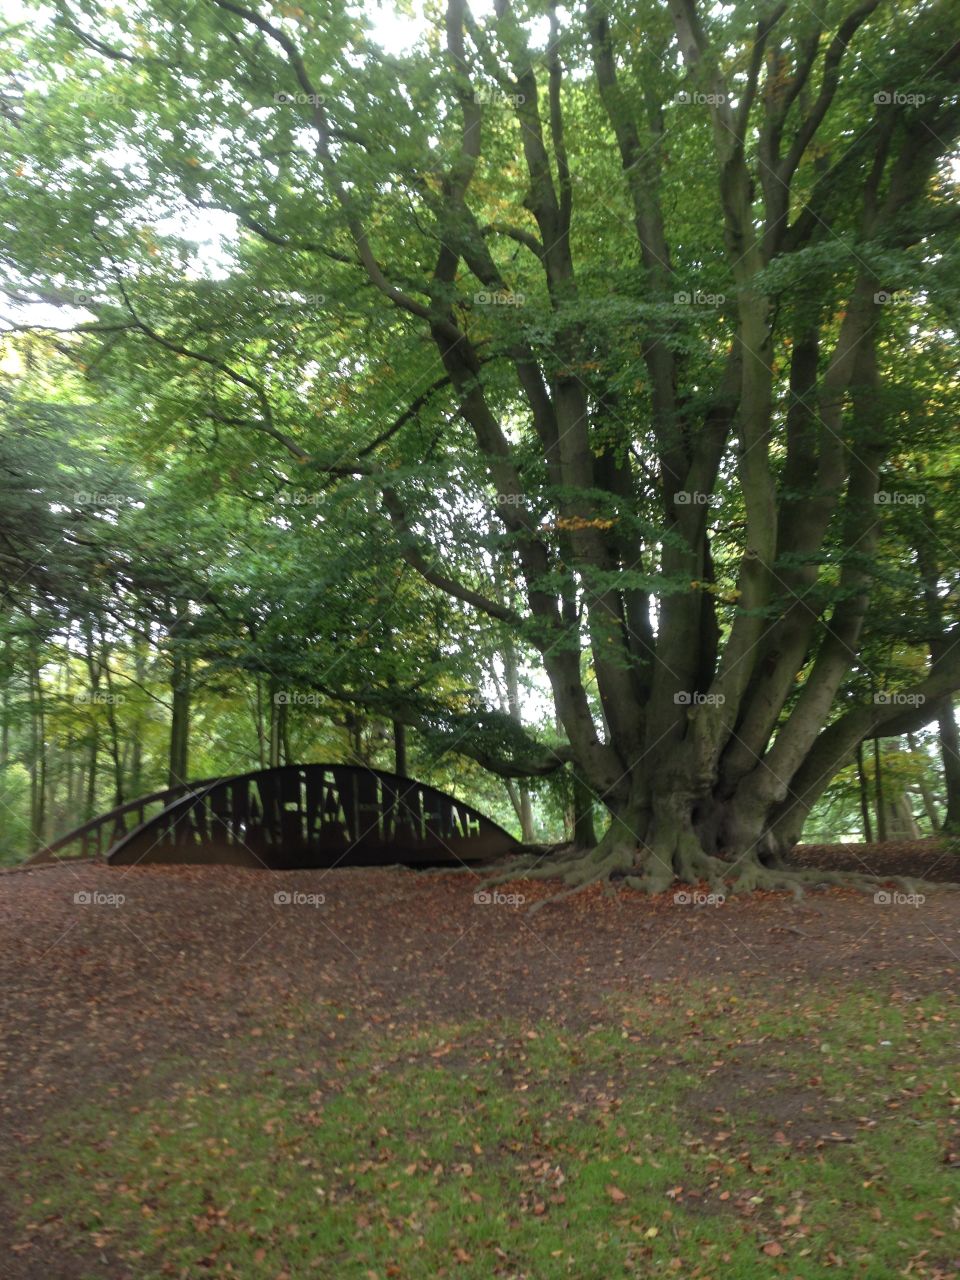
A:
(314, 815)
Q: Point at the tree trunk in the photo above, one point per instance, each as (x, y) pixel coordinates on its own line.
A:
(584, 830)
(400, 748)
(258, 720)
(864, 796)
(180, 689)
(111, 702)
(90, 800)
(277, 708)
(140, 644)
(879, 802)
(7, 671)
(950, 754)
(926, 795)
(38, 746)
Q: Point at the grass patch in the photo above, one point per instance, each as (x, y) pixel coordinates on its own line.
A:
(693, 1133)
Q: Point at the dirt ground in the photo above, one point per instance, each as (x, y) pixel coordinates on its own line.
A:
(175, 962)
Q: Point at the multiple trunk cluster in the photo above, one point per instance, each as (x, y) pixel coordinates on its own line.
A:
(706, 750)
(718, 727)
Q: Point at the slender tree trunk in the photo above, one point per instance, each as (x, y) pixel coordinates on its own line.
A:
(400, 748)
(926, 795)
(111, 700)
(285, 736)
(864, 796)
(140, 643)
(180, 688)
(5, 705)
(90, 800)
(278, 710)
(38, 746)
(511, 671)
(258, 720)
(878, 793)
(950, 754)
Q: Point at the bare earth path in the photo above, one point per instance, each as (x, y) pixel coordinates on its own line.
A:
(94, 995)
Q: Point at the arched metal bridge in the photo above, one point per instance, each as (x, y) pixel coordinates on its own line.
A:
(298, 815)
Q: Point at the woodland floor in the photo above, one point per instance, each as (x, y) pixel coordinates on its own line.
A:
(150, 1053)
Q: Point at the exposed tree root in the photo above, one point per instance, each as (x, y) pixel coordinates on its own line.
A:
(654, 870)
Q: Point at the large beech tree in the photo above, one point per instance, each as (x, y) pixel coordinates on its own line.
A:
(604, 308)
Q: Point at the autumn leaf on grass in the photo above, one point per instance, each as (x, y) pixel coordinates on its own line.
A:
(772, 1249)
(616, 1195)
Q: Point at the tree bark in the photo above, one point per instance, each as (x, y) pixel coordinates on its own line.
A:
(400, 748)
(950, 755)
(864, 796)
(180, 689)
(880, 806)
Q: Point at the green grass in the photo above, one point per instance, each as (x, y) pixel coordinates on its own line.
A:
(670, 1139)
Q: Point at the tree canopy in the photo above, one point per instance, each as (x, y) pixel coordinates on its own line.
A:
(611, 345)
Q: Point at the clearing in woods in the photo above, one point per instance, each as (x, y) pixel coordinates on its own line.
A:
(383, 1077)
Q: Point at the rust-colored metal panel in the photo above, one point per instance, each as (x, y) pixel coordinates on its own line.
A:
(315, 815)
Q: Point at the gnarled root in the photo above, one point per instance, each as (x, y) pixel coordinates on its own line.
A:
(680, 857)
